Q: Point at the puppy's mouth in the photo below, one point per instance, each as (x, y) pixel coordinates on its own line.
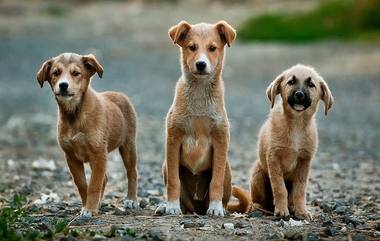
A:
(64, 94)
(200, 74)
(299, 105)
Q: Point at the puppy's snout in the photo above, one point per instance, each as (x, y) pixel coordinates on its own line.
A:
(63, 86)
(299, 95)
(201, 66)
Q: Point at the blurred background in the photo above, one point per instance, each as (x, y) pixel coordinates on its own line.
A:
(129, 38)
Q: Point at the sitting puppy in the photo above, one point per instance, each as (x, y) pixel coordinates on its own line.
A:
(287, 142)
(196, 169)
(90, 125)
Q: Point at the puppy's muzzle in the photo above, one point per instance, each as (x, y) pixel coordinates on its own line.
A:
(63, 90)
(201, 66)
(299, 100)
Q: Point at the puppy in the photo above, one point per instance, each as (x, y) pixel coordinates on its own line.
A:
(196, 170)
(287, 142)
(90, 125)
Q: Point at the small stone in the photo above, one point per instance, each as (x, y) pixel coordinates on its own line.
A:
(68, 238)
(340, 209)
(293, 235)
(228, 226)
(193, 223)
(352, 220)
(312, 237)
(255, 214)
(154, 200)
(119, 211)
(242, 225)
(331, 231)
(359, 237)
(276, 235)
(143, 203)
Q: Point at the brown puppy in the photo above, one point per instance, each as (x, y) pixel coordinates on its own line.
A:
(196, 169)
(90, 125)
(287, 142)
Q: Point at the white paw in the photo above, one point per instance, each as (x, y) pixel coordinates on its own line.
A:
(131, 204)
(85, 214)
(173, 208)
(215, 208)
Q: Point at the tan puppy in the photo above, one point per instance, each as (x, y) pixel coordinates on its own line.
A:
(90, 125)
(287, 142)
(196, 169)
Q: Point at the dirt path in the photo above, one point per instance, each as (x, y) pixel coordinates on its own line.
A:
(132, 44)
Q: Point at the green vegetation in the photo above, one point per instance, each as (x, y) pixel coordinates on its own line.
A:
(15, 225)
(336, 19)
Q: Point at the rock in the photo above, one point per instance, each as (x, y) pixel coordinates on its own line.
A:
(331, 231)
(293, 235)
(255, 214)
(68, 238)
(155, 235)
(228, 226)
(276, 235)
(193, 223)
(352, 220)
(154, 200)
(42, 164)
(359, 237)
(119, 211)
(143, 203)
(327, 207)
(327, 221)
(312, 237)
(242, 224)
(340, 209)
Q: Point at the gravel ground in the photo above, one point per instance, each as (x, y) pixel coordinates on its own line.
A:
(130, 41)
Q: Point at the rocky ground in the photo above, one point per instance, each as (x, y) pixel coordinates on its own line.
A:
(130, 41)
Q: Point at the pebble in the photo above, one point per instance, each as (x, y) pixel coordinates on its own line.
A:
(255, 214)
(352, 220)
(276, 235)
(228, 226)
(359, 237)
(312, 237)
(154, 200)
(331, 231)
(242, 225)
(193, 223)
(340, 209)
(293, 235)
(143, 203)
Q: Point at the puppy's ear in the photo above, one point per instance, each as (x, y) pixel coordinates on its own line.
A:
(226, 32)
(274, 88)
(326, 95)
(178, 32)
(92, 65)
(43, 74)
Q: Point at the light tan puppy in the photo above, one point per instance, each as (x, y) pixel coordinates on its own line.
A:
(90, 125)
(287, 142)
(196, 169)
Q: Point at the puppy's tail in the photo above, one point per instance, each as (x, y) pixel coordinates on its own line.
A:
(244, 203)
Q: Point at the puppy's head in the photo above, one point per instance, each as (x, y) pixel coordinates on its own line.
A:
(301, 87)
(69, 75)
(202, 47)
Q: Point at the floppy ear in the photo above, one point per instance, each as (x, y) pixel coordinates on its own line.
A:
(274, 88)
(326, 95)
(43, 73)
(178, 32)
(226, 32)
(92, 64)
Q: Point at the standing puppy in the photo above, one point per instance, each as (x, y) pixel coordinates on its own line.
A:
(90, 125)
(196, 169)
(287, 142)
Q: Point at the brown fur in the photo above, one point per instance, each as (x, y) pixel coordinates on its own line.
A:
(287, 142)
(90, 125)
(196, 168)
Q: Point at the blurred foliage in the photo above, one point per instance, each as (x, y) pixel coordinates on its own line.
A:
(344, 19)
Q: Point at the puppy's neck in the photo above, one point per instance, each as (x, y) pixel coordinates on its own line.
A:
(71, 111)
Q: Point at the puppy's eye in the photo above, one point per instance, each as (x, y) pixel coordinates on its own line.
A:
(212, 48)
(309, 83)
(292, 81)
(56, 73)
(75, 73)
(192, 48)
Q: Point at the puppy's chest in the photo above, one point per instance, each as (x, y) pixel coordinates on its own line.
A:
(196, 151)
(76, 143)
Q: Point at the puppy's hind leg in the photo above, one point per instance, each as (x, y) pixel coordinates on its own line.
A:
(258, 187)
(129, 156)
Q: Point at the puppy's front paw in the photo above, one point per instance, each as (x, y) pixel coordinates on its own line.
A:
(173, 208)
(85, 214)
(282, 212)
(303, 214)
(131, 204)
(215, 208)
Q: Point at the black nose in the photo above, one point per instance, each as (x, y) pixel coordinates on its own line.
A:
(201, 65)
(299, 95)
(63, 86)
